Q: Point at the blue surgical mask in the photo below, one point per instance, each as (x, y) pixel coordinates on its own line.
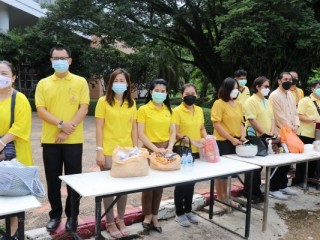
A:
(119, 88)
(60, 66)
(158, 97)
(242, 82)
(317, 92)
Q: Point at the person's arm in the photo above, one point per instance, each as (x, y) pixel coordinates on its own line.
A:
(99, 142)
(145, 140)
(134, 133)
(8, 137)
(172, 138)
(203, 131)
(217, 126)
(306, 119)
(254, 123)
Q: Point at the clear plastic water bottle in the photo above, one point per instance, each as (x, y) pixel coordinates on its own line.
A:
(184, 162)
(189, 161)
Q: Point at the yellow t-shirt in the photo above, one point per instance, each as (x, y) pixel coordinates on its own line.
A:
(260, 110)
(21, 127)
(297, 94)
(156, 121)
(189, 122)
(306, 107)
(117, 127)
(230, 118)
(62, 98)
(243, 96)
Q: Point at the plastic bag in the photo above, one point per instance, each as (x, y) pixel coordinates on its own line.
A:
(165, 163)
(295, 145)
(210, 151)
(129, 162)
(19, 180)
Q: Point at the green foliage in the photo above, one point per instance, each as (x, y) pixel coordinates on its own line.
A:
(315, 75)
(207, 120)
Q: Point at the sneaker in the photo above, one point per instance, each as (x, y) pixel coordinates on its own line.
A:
(278, 195)
(183, 220)
(289, 191)
(192, 218)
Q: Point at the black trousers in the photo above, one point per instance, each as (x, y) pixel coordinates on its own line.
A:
(256, 182)
(55, 158)
(279, 180)
(301, 167)
(183, 195)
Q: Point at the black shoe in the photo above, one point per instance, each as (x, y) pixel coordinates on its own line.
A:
(157, 229)
(53, 224)
(69, 224)
(146, 228)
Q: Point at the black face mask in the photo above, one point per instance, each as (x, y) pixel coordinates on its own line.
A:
(189, 100)
(286, 85)
(294, 81)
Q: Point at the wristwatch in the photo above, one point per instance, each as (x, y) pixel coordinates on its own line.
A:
(59, 125)
(313, 120)
(99, 148)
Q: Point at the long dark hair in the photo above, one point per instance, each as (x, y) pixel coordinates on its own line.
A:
(226, 87)
(258, 83)
(152, 86)
(126, 95)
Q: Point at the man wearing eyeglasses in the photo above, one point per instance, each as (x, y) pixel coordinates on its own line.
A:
(62, 101)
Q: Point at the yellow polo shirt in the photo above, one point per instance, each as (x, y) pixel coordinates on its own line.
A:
(189, 122)
(297, 94)
(243, 96)
(230, 118)
(117, 127)
(260, 110)
(62, 98)
(156, 121)
(307, 108)
(21, 126)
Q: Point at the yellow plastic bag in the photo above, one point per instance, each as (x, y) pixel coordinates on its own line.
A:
(163, 163)
(124, 165)
(295, 145)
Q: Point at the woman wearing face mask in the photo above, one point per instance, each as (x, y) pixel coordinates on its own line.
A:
(17, 133)
(189, 121)
(227, 118)
(309, 115)
(158, 134)
(116, 125)
(260, 119)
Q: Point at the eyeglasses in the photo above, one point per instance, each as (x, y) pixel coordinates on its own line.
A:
(60, 58)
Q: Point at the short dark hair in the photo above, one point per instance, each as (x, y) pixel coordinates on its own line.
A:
(281, 75)
(258, 83)
(60, 47)
(240, 72)
(188, 85)
(10, 65)
(126, 95)
(226, 87)
(314, 83)
(153, 85)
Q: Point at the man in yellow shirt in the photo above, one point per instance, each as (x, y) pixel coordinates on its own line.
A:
(62, 101)
(297, 93)
(244, 93)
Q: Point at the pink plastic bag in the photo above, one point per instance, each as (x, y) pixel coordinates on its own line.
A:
(210, 150)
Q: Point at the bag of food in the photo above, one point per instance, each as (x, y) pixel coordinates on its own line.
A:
(129, 162)
(211, 150)
(295, 145)
(168, 162)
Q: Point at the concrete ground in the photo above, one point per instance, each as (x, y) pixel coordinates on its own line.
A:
(278, 226)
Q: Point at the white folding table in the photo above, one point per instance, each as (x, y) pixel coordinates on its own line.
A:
(276, 160)
(16, 207)
(101, 184)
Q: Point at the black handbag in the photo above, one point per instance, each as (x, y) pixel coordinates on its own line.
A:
(180, 147)
(260, 142)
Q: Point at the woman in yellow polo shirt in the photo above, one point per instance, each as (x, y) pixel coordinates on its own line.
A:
(116, 125)
(189, 121)
(260, 120)
(309, 115)
(17, 134)
(157, 133)
(227, 118)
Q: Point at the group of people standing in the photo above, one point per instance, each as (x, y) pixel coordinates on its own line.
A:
(62, 101)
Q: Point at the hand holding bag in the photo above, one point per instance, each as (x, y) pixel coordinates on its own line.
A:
(295, 145)
(180, 147)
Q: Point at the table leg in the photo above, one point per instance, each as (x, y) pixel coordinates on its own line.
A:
(211, 201)
(74, 234)
(248, 210)
(8, 225)
(98, 218)
(266, 200)
(21, 217)
(305, 182)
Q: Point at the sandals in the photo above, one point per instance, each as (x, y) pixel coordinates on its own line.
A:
(122, 227)
(115, 234)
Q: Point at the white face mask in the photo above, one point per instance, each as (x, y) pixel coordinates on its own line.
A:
(265, 91)
(5, 82)
(234, 93)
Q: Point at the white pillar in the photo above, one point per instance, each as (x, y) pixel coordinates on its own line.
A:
(4, 18)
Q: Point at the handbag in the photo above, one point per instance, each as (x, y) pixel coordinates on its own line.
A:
(180, 147)
(129, 162)
(317, 130)
(19, 180)
(258, 141)
(294, 143)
